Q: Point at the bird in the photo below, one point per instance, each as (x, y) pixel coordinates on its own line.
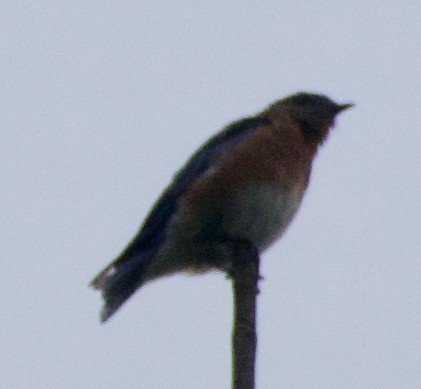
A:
(245, 184)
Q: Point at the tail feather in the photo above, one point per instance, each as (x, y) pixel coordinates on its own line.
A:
(101, 279)
(118, 282)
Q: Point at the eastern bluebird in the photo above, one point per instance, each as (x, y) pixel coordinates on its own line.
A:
(245, 183)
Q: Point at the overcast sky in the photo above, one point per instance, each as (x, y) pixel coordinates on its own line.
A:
(100, 103)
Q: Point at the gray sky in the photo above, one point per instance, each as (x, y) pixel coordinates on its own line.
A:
(102, 101)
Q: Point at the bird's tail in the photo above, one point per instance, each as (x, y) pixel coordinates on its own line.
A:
(118, 281)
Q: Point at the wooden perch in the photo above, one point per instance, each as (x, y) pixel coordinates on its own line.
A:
(245, 276)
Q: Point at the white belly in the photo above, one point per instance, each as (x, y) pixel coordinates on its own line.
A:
(261, 214)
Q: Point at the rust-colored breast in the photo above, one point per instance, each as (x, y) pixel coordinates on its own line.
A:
(275, 155)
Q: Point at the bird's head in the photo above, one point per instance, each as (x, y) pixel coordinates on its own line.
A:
(315, 113)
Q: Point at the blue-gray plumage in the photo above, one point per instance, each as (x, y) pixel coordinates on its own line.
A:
(245, 184)
(127, 273)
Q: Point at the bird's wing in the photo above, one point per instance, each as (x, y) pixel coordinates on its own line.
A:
(152, 232)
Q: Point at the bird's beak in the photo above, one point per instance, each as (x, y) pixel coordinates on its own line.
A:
(343, 107)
